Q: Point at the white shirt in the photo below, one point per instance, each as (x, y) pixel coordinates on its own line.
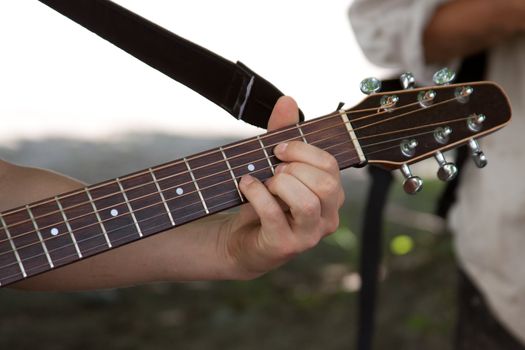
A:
(489, 217)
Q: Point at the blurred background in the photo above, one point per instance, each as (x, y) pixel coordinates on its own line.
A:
(73, 103)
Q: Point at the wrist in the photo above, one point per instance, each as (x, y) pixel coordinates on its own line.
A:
(230, 251)
(193, 252)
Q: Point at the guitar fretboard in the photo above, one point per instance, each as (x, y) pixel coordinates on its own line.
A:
(56, 231)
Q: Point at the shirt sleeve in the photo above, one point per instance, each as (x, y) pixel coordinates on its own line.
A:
(390, 33)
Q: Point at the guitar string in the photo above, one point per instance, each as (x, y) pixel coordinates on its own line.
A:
(215, 184)
(149, 195)
(99, 210)
(181, 173)
(253, 139)
(161, 214)
(159, 203)
(25, 259)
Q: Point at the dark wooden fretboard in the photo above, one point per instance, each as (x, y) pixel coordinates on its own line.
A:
(56, 231)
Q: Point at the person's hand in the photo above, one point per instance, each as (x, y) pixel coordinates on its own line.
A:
(290, 212)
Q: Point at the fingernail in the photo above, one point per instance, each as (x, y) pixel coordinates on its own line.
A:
(247, 179)
(280, 168)
(281, 148)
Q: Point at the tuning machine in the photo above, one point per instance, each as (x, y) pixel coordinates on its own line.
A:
(447, 170)
(370, 86)
(408, 81)
(412, 184)
(477, 154)
(444, 76)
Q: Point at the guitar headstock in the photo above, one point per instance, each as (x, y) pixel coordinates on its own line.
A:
(398, 128)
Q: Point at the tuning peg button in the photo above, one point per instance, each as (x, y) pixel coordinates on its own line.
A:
(444, 76)
(370, 86)
(442, 134)
(426, 98)
(407, 80)
(447, 171)
(408, 147)
(463, 93)
(477, 154)
(389, 102)
(412, 184)
(475, 122)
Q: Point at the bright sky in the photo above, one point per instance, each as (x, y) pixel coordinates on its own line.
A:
(58, 79)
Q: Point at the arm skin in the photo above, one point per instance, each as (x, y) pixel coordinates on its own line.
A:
(261, 237)
(462, 27)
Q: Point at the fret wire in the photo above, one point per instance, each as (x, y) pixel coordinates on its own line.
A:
(196, 186)
(79, 253)
(388, 147)
(3, 222)
(266, 154)
(129, 206)
(232, 174)
(125, 236)
(102, 226)
(389, 140)
(373, 135)
(15, 251)
(240, 166)
(130, 235)
(106, 196)
(217, 205)
(162, 197)
(338, 135)
(39, 234)
(220, 194)
(326, 117)
(301, 132)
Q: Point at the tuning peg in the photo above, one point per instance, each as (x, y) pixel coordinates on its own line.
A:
(475, 122)
(477, 154)
(408, 147)
(442, 134)
(444, 76)
(407, 80)
(412, 184)
(370, 86)
(447, 171)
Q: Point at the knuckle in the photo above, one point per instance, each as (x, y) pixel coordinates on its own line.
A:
(330, 163)
(328, 186)
(310, 208)
(332, 225)
(270, 211)
(291, 168)
(273, 183)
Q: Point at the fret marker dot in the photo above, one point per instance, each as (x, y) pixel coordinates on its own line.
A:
(179, 191)
(114, 212)
(251, 167)
(54, 231)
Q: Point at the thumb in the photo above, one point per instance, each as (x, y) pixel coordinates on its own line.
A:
(285, 112)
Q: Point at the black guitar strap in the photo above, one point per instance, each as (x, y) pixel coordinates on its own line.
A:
(232, 86)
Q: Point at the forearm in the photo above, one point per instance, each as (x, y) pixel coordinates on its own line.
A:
(166, 256)
(183, 254)
(462, 27)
